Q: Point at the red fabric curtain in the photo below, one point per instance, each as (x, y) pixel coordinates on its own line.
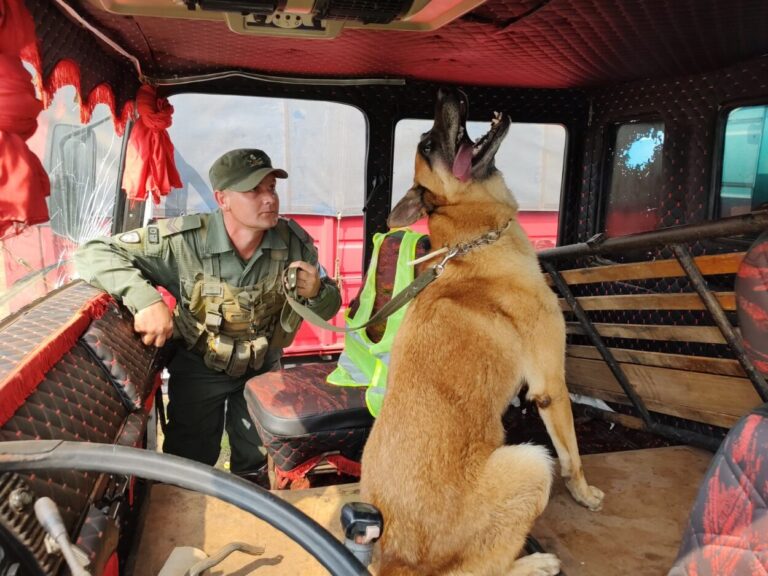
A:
(24, 183)
(17, 29)
(149, 164)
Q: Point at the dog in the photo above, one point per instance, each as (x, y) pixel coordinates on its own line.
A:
(454, 499)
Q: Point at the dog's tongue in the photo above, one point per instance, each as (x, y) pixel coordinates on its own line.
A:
(462, 164)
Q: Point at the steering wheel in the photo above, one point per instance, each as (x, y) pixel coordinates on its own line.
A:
(28, 455)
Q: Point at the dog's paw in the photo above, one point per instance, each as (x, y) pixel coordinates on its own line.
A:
(537, 564)
(592, 497)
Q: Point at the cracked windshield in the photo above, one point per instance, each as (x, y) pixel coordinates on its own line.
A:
(82, 161)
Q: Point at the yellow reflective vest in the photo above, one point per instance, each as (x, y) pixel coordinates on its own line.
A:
(363, 362)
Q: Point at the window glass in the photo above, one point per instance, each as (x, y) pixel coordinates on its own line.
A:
(530, 157)
(321, 145)
(744, 184)
(635, 193)
(81, 161)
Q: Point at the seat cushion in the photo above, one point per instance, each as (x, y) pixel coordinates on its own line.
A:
(298, 401)
(301, 419)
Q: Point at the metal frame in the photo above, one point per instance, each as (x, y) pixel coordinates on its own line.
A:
(672, 238)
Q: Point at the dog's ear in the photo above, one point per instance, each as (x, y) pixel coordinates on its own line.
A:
(410, 208)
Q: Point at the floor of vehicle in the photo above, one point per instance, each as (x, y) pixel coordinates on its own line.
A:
(648, 497)
(178, 517)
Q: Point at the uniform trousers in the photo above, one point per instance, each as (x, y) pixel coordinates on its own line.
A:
(201, 403)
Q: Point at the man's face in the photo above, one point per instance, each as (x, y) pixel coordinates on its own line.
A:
(256, 209)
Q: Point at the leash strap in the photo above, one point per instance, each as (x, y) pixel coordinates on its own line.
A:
(401, 298)
(398, 301)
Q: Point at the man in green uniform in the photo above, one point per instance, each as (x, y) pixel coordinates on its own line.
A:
(225, 270)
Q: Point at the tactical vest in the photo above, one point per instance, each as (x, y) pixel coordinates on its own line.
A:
(232, 327)
(363, 362)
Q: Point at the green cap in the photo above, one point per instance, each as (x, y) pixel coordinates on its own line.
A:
(242, 170)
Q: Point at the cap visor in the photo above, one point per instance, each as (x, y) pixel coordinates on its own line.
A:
(254, 179)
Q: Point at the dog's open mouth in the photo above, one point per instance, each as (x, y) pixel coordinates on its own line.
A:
(471, 159)
(469, 153)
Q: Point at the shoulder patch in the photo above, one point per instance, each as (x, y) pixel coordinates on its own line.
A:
(171, 226)
(132, 237)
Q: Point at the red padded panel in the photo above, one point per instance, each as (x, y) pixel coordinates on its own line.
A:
(565, 43)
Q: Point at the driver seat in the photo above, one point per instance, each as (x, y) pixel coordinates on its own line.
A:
(307, 425)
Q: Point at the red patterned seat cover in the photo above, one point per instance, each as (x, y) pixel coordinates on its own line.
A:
(752, 302)
(727, 532)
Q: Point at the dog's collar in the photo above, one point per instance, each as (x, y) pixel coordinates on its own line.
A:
(463, 248)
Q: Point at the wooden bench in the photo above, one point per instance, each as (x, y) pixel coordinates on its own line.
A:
(657, 325)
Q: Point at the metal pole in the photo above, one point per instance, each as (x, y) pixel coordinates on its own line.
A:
(597, 340)
(687, 263)
(753, 222)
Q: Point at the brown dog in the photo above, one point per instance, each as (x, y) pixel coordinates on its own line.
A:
(454, 499)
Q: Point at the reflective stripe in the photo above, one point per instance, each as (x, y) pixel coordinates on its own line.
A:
(363, 362)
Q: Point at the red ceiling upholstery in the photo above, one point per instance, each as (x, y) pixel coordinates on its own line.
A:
(563, 43)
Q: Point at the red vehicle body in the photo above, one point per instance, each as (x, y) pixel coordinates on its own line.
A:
(340, 246)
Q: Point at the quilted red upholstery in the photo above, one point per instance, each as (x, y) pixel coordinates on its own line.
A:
(752, 302)
(527, 43)
(78, 399)
(300, 417)
(130, 365)
(727, 532)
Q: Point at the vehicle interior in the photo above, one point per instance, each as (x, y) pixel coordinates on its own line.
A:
(639, 155)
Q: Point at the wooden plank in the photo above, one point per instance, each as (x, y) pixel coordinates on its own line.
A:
(686, 301)
(717, 419)
(715, 264)
(724, 366)
(710, 398)
(705, 334)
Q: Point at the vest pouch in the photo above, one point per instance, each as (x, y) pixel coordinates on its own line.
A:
(241, 356)
(218, 351)
(258, 352)
(235, 319)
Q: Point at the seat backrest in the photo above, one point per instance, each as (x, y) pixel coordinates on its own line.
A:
(727, 527)
(385, 277)
(73, 370)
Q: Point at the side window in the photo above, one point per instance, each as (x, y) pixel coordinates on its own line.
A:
(744, 182)
(531, 159)
(81, 161)
(635, 191)
(321, 145)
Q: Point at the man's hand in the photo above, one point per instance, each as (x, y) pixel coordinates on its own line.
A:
(154, 323)
(307, 279)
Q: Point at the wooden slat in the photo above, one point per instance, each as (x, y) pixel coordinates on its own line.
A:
(716, 264)
(723, 366)
(651, 302)
(714, 399)
(726, 421)
(705, 334)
